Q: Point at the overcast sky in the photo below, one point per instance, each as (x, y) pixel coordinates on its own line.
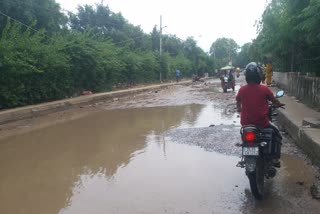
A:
(205, 20)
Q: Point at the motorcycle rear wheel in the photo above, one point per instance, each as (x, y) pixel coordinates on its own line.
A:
(225, 89)
(256, 180)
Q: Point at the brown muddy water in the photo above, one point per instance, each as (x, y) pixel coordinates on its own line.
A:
(122, 161)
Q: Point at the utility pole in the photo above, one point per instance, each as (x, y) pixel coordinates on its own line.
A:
(160, 48)
(214, 62)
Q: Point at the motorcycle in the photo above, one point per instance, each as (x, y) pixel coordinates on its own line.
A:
(259, 148)
(227, 83)
(226, 75)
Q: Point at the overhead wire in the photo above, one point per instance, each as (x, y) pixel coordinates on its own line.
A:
(35, 30)
(61, 9)
(17, 21)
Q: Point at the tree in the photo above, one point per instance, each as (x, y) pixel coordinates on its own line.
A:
(38, 13)
(194, 53)
(243, 57)
(155, 39)
(224, 51)
(288, 35)
(31, 70)
(95, 50)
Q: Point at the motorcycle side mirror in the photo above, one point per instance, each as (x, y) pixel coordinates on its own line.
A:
(280, 93)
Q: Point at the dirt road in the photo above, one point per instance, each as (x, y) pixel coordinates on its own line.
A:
(153, 152)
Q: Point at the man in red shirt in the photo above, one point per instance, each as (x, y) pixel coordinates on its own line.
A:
(252, 99)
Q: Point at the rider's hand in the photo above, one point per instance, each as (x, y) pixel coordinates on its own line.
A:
(276, 103)
(279, 105)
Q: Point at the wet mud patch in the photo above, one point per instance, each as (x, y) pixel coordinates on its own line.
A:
(221, 138)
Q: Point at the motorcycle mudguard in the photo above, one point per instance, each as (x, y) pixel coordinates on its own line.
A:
(250, 163)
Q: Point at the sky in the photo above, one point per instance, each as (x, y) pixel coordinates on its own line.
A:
(204, 20)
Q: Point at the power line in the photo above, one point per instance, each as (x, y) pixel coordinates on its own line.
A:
(17, 21)
(29, 27)
(68, 11)
(62, 9)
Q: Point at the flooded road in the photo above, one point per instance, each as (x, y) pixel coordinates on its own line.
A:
(146, 157)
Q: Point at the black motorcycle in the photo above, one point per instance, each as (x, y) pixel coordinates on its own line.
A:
(260, 147)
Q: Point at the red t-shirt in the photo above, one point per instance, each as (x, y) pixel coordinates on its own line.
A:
(254, 104)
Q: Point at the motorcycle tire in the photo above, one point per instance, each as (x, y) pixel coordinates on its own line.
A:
(233, 88)
(256, 180)
(225, 90)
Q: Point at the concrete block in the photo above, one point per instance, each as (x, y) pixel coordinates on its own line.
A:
(310, 142)
(311, 122)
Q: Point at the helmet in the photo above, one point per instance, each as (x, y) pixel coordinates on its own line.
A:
(253, 73)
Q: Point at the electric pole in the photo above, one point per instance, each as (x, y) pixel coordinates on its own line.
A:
(160, 47)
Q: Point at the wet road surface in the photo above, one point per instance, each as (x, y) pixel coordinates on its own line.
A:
(154, 153)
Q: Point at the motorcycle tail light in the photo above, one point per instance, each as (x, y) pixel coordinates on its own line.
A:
(249, 137)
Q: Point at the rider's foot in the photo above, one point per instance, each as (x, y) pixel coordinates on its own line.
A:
(240, 164)
(276, 163)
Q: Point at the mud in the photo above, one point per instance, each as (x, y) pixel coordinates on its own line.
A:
(195, 93)
(149, 153)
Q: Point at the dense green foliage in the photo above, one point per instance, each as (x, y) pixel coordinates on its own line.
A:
(42, 14)
(46, 55)
(289, 36)
(224, 51)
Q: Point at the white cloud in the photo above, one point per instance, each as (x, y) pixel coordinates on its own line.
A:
(205, 20)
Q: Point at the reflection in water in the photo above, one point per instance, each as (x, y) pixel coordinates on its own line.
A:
(187, 180)
(40, 169)
(210, 114)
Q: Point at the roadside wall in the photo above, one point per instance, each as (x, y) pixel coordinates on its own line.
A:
(304, 88)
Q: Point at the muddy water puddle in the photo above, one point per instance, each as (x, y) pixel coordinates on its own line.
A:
(122, 161)
(164, 178)
(210, 115)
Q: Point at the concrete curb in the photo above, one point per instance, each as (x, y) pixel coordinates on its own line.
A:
(310, 144)
(46, 108)
(308, 139)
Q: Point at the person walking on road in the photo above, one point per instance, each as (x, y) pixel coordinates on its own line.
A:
(269, 73)
(178, 73)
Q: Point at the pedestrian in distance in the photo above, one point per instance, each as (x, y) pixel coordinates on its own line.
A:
(269, 73)
(178, 73)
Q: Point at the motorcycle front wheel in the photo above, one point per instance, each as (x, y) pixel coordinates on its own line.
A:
(256, 180)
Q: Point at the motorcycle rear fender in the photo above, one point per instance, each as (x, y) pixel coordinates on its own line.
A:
(250, 163)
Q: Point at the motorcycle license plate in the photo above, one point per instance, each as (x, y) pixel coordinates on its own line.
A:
(250, 151)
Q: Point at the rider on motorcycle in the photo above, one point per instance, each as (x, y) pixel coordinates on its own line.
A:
(252, 102)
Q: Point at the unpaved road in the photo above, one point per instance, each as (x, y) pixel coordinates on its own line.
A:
(149, 153)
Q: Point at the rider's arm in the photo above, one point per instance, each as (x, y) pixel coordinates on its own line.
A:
(239, 106)
(274, 100)
(238, 99)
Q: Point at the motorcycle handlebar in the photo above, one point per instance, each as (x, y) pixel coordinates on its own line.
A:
(273, 106)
